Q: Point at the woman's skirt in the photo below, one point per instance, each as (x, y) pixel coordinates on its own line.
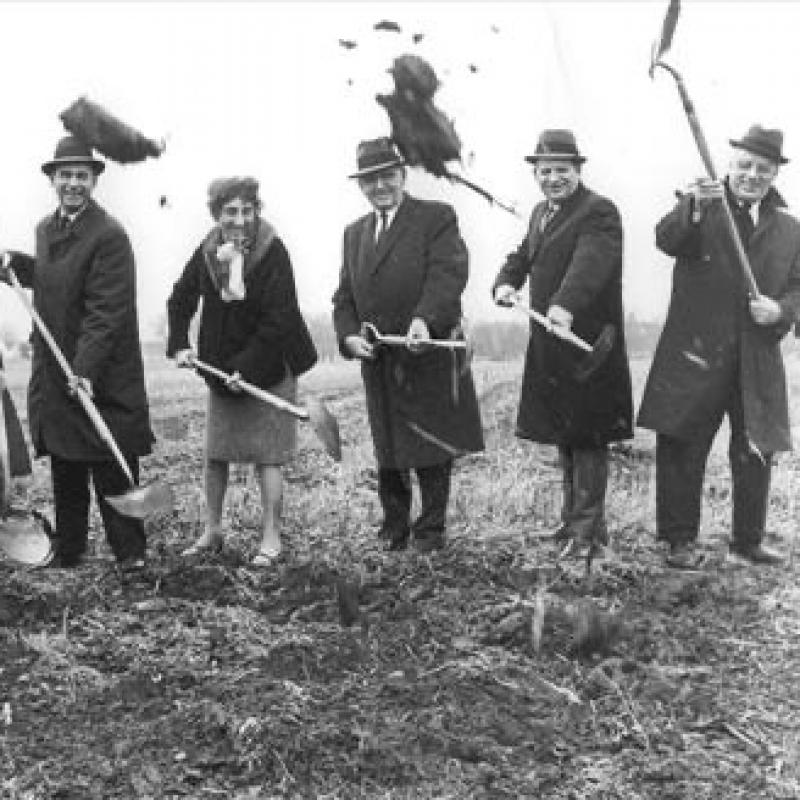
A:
(245, 430)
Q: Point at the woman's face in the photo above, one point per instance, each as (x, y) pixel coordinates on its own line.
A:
(237, 220)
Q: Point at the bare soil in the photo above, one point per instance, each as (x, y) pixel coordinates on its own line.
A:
(488, 670)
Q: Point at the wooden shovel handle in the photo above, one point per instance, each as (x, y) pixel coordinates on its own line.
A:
(253, 391)
(562, 333)
(88, 406)
(753, 291)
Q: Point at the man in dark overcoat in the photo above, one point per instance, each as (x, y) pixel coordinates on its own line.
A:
(83, 278)
(403, 271)
(572, 256)
(719, 352)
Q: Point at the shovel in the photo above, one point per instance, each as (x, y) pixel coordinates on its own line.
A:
(24, 537)
(597, 353)
(374, 336)
(323, 423)
(138, 501)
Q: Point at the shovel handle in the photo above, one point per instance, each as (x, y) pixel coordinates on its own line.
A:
(398, 340)
(373, 335)
(253, 391)
(562, 333)
(88, 406)
(753, 291)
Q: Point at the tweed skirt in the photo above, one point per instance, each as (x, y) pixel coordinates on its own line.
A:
(245, 430)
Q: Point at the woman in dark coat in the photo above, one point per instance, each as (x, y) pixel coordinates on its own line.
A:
(251, 328)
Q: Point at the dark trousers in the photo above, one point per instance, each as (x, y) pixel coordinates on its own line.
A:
(680, 467)
(71, 493)
(394, 490)
(584, 476)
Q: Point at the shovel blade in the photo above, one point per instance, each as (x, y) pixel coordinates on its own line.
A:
(142, 501)
(326, 427)
(23, 539)
(600, 351)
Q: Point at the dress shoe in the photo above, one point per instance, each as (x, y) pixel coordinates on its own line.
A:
(389, 532)
(429, 543)
(62, 561)
(396, 542)
(133, 564)
(683, 556)
(757, 554)
(560, 535)
(207, 543)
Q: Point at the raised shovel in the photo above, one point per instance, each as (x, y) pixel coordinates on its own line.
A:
(323, 423)
(138, 501)
(597, 353)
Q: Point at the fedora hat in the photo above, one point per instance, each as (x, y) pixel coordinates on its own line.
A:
(556, 145)
(72, 150)
(373, 155)
(763, 142)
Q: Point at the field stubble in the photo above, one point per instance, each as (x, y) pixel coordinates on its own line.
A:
(460, 677)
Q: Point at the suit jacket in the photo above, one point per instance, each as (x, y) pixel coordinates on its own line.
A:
(422, 408)
(576, 262)
(84, 288)
(709, 342)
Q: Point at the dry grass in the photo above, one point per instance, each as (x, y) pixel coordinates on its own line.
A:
(208, 679)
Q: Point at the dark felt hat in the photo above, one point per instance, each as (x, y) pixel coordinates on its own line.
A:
(373, 155)
(72, 150)
(763, 142)
(556, 145)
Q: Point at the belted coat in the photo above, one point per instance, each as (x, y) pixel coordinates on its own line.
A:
(576, 263)
(84, 288)
(422, 407)
(709, 341)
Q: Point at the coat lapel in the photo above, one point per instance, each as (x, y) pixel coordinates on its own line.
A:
(365, 242)
(767, 220)
(399, 224)
(535, 233)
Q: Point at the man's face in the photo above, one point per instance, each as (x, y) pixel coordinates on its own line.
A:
(384, 189)
(74, 184)
(237, 219)
(750, 175)
(557, 179)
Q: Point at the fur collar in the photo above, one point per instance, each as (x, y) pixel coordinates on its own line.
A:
(220, 271)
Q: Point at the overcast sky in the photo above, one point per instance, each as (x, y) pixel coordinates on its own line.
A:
(266, 89)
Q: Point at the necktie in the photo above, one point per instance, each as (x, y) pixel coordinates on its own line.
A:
(384, 224)
(549, 213)
(746, 226)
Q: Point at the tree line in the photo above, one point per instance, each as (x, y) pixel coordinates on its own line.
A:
(494, 339)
